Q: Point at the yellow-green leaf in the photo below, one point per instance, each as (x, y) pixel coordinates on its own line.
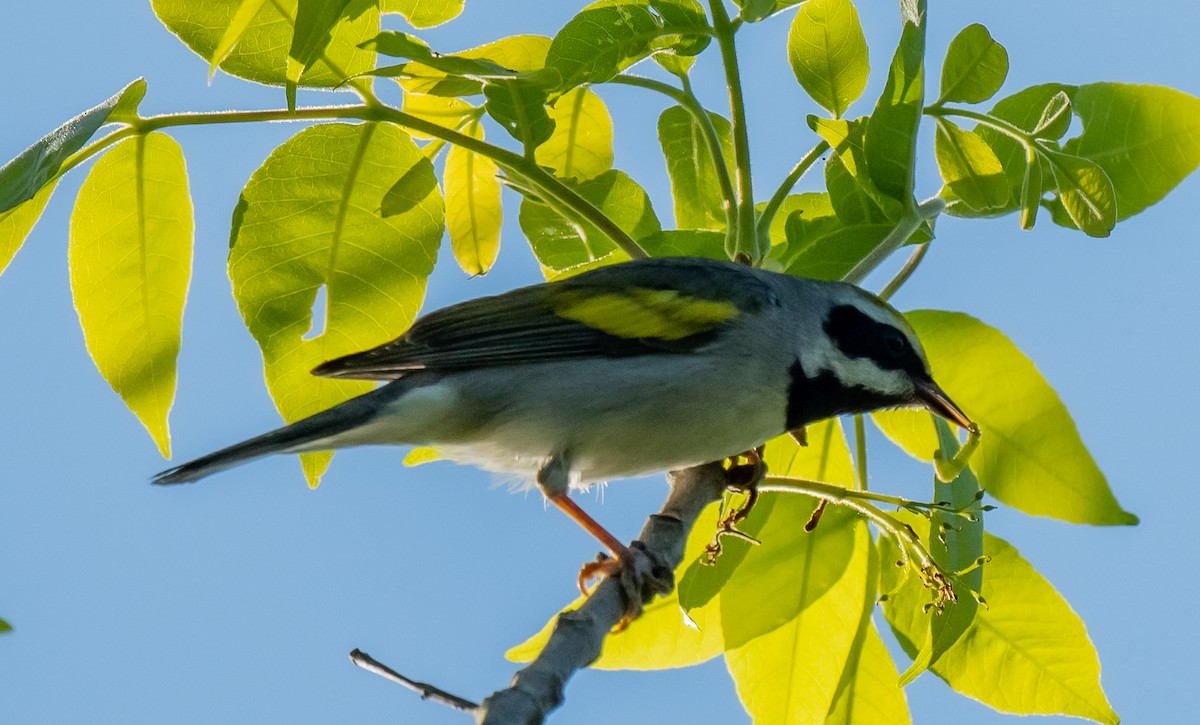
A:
(1027, 652)
(662, 637)
(1086, 192)
(130, 256)
(825, 458)
(16, 223)
(561, 243)
(245, 13)
(445, 111)
(1031, 456)
(828, 53)
(870, 695)
(972, 173)
(473, 211)
(790, 674)
(312, 216)
(424, 13)
(518, 53)
(581, 146)
(699, 203)
(260, 53)
(975, 66)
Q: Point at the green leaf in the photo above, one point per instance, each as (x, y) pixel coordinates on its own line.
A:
(975, 67)
(970, 169)
(16, 223)
(1031, 190)
(1030, 456)
(892, 129)
(826, 458)
(315, 21)
(402, 45)
(699, 203)
(561, 243)
(130, 257)
(855, 197)
(311, 216)
(791, 673)
(447, 112)
(1027, 652)
(1056, 118)
(662, 637)
(581, 146)
(807, 206)
(519, 106)
(608, 36)
(23, 177)
(1085, 191)
(869, 693)
(1024, 109)
(1146, 138)
(754, 11)
(260, 52)
(837, 250)
(520, 54)
(242, 17)
(685, 243)
(473, 211)
(424, 13)
(5, 626)
(956, 544)
(828, 53)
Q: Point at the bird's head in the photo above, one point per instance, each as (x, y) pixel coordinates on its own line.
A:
(864, 357)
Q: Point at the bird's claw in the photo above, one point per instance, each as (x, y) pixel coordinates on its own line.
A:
(739, 478)
(641, 574)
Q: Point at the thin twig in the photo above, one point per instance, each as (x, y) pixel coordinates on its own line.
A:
(899, 235)
(424, 689)
(910, 266)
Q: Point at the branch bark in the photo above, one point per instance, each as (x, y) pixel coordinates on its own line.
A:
(578, 635)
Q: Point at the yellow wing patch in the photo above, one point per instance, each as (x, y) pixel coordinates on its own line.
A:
(638, 312)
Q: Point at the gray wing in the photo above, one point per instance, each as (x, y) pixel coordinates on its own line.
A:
(525, 325)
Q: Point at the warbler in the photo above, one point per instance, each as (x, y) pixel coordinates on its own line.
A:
(638, 367)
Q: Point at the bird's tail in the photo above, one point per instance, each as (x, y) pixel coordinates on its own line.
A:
(322, 431)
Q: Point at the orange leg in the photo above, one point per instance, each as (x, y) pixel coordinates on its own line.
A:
(579, 516)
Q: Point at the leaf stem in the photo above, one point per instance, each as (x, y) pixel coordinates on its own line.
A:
(860, 451)
(858, 501)
(904, 229)
(1008, 129)
(535, 176)
(748, 246)
(785, 187)
(910, 266)
(690, 103)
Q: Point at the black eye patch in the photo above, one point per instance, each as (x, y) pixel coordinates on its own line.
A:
(857, 335)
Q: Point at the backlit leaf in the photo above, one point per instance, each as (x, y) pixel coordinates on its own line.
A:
(869, 694)
(581, 146)
(315, 20)
(473, 211)
(1030, 456)
(828, 53)
(23, 177)
(790, 673)
(975, 67)
(1146, 138)
(1024, 109)
(970, 169)
(522, 54)
(1027, 652)
(130, 256)
(16, 223)
(424, 13)
(313, 215)
(892, 129)
(261, 51)
(561, 242)
(699, 203)
(519, 106)
(1085, 191)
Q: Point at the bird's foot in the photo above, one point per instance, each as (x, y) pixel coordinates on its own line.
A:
(641, 573)
(739, 478)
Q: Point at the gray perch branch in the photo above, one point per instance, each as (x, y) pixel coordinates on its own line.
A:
(578, 635)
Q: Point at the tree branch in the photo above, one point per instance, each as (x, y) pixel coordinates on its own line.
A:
(578, 635)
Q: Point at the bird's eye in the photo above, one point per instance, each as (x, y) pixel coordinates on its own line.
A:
(894, 343)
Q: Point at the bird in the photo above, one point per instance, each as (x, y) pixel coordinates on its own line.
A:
(620, 371)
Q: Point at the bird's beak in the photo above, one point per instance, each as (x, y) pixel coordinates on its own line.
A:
(936, 400)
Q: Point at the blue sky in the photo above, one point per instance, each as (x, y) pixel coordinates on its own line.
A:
(237, 600)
